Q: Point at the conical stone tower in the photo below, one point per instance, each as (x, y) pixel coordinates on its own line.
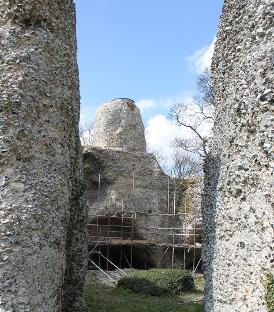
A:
(118, 124)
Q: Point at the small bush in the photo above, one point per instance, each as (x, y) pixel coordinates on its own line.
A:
(158, 282)
(269, 285)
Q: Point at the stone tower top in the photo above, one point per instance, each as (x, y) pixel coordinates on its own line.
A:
(118, 124)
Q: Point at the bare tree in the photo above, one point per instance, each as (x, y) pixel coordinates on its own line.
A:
(190, 152)
(86, 134)
(206, 91)
(184, 165)
(181, 165)
(161, 159)
(195, 116)
(186, 173)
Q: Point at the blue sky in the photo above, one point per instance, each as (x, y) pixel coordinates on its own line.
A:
(148, 50)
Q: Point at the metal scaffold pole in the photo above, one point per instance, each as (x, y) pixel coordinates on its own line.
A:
(108, 241)
(173, 230)
(168, 195)
(194, 243)
(133, 177)
(132, 235)
(99, 187)
(121, 232)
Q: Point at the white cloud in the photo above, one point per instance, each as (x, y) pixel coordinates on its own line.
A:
(201, 59)
(161, 132)
(168, 102)
(144, 104)
(162, 103)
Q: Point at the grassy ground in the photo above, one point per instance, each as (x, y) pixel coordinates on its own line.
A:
(103, 298)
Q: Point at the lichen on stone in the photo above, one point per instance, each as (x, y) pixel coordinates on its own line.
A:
(269, 290)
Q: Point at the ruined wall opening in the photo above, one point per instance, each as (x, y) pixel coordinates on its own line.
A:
(109, 257)
(115, 242)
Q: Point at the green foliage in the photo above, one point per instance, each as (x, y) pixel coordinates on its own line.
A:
(157, 282)
(99, 297)
(184, 198)
(184, 184)
(269, 287)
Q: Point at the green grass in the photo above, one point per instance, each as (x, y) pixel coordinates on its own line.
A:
(103, 298)
(158, 282)
(269, 285)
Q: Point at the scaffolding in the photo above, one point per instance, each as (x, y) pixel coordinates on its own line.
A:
(120, 228)
(172, 231)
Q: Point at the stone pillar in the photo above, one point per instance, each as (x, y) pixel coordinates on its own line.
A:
(118, 124)
(239, 201)
(42, 215)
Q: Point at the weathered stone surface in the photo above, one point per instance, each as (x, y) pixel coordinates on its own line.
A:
(238, 206)
(119, 125)
(130, 178)
(42, 215)
(128, 181)
(120, 176)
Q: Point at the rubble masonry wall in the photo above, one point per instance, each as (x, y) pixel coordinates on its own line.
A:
(238, 204)
(42, 214)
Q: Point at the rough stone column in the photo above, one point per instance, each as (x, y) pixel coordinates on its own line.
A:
(42, 215)
(239, 200)
(119, 125)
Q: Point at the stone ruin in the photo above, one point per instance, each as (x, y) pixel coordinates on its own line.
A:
(123, 180)
(42, 216)
(238, 203)
(120, 175)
